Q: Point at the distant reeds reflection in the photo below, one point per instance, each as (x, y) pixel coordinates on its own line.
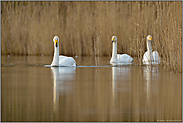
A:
(129, 93)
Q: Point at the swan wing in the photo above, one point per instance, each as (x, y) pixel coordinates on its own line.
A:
(118, 56)
(62, 57)
(124, 58)
(66, 61)
(145, 57)
(155, 56)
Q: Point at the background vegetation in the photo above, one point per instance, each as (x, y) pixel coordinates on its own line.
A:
(86, 28)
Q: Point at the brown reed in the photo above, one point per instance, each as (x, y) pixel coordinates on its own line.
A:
(86, 28)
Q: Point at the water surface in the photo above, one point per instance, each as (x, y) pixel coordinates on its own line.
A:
(32, 92)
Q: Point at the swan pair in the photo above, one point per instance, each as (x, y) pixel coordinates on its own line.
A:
(148, 58)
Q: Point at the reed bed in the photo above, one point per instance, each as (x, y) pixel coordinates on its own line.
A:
(86, 28)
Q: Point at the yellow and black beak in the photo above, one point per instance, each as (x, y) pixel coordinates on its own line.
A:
(56, 43)
(112, 40)
(150, 38)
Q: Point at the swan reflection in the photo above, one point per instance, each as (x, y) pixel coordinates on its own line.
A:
(150, 73)
(114, 80)
(120, 73)
(62, 82)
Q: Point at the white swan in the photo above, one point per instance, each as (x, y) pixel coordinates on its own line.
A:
(118, 58)
(149, 56)
(61, 60)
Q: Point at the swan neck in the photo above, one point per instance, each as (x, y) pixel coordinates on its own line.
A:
(149, 49)
(114, 51)
(55, 61)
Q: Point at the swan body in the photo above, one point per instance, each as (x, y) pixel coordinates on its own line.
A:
(124, 58)
(61, 60)
(150, 57)
(119, 58)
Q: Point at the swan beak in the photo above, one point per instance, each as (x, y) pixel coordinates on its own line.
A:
(112, 40)
(56, 43)
(150, 38)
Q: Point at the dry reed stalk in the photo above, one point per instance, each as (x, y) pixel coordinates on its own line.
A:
(28, 28)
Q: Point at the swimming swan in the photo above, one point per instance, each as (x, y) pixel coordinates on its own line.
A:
(149, 56)
(118, 58)
(61, 60)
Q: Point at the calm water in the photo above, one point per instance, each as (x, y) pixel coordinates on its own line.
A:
(32, 92)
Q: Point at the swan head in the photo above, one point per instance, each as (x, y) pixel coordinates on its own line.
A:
(114, 39)
(149, 38)
(56, 41)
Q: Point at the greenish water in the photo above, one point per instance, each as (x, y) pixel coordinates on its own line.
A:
(32, 92)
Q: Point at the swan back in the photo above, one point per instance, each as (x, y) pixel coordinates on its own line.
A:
(65, 61)
(124, 58)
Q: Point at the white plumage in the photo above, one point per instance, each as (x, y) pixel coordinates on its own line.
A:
(150, 57)
(61, 60)
(124, 58)
(119, 58)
